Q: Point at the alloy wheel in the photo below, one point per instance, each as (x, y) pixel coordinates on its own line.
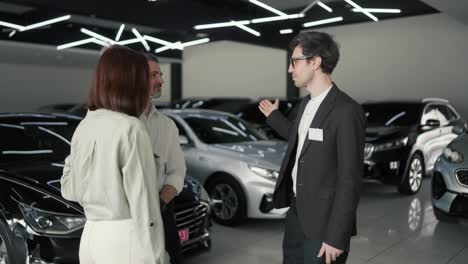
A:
(227, 201)
(415, 174)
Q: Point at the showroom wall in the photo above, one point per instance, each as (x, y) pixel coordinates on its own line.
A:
(227, 68)
(408, 58)
(35, 75)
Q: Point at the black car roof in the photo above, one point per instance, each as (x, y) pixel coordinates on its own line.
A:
(16, 118)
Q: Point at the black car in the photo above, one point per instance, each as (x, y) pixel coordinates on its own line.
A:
(35, 221)
(404, 139)
(214, 103)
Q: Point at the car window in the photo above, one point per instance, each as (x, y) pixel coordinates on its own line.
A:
(16, 144)
(220, 129)
(445, 115)
(392, 114)
(431, 112)
(448, 113)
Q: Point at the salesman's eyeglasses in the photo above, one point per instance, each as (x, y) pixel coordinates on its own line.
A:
(293, 60)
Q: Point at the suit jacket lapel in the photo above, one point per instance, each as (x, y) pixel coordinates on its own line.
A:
(322, 112)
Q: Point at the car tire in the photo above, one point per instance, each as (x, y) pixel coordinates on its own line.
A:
(229, 201)
(442, 216)
(412, 180)
(9, 251)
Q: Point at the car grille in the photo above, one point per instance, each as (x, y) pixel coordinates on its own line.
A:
(462, 176)
(192, 217)
(368, 150)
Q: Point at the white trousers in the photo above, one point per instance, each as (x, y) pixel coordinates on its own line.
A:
(109, 242)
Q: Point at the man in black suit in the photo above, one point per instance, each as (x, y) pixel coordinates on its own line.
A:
(321, 175)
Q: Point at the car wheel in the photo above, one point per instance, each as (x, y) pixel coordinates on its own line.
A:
(229, 202)
(9, 253)
(414, 175)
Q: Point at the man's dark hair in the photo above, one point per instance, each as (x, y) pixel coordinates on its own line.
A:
(320, 44)
(151, 57)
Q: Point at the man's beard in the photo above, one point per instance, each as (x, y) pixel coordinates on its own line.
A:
(157, 94)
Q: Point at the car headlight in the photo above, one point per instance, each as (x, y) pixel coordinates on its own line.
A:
(394, 144)
(452, 155)
(268, 174)
(204, 196)
(51, 223)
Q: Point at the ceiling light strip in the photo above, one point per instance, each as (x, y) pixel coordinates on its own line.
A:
(97, 36)
(309, 7)
(324, 21)
(75, 43)
(362, 10)
(275, 18)
(324, 6)
(251, 31)
(10, 25)
(286, 31)
(119, 33)
(47, 22)
(195, 42)
(378, 10)
(222, 24)
(267, 7)
(142, 40)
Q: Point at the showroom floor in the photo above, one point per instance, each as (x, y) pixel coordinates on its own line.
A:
(392, 229)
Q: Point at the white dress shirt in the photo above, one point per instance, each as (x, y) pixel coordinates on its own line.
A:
(169, 156)
(306, 120)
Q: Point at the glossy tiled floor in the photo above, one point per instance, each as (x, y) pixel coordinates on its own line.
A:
(392, 229)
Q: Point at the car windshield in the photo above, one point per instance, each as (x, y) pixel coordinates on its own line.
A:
(392, 114)
(37, 137)
(221, 129)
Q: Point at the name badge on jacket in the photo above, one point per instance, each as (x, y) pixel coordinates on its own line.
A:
(316, 134)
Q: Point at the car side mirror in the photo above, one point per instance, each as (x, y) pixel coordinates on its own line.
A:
(183, 140)
(458, 130)
(432, 123)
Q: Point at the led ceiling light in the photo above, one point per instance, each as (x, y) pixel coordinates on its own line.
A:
(158, 41)
(195, 42)
(275, 18)
(36, 25)
(378, 10)
(324, 21)
(12, 33)
(128, 41)
(82, 42)
(179, 45)
(267, 7)
(97, 36)
(286, 31)
(222, 24)
(251, 31)
(119, 33)
(307, 8)
(142, 40)
(324, 6)
(362, 10)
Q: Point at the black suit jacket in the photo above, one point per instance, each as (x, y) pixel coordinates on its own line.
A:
(329, 174)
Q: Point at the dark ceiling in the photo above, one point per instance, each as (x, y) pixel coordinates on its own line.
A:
(174, 20)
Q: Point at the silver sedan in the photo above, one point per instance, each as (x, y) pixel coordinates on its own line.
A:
(237, 164)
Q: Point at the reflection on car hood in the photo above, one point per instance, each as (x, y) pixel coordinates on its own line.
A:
(383, 133)
(271, 151)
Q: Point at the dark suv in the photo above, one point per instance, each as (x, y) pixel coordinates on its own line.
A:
(405, 138)
(35, 221)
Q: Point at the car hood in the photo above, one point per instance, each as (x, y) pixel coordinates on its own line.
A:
(268, 151)
(384, 133)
